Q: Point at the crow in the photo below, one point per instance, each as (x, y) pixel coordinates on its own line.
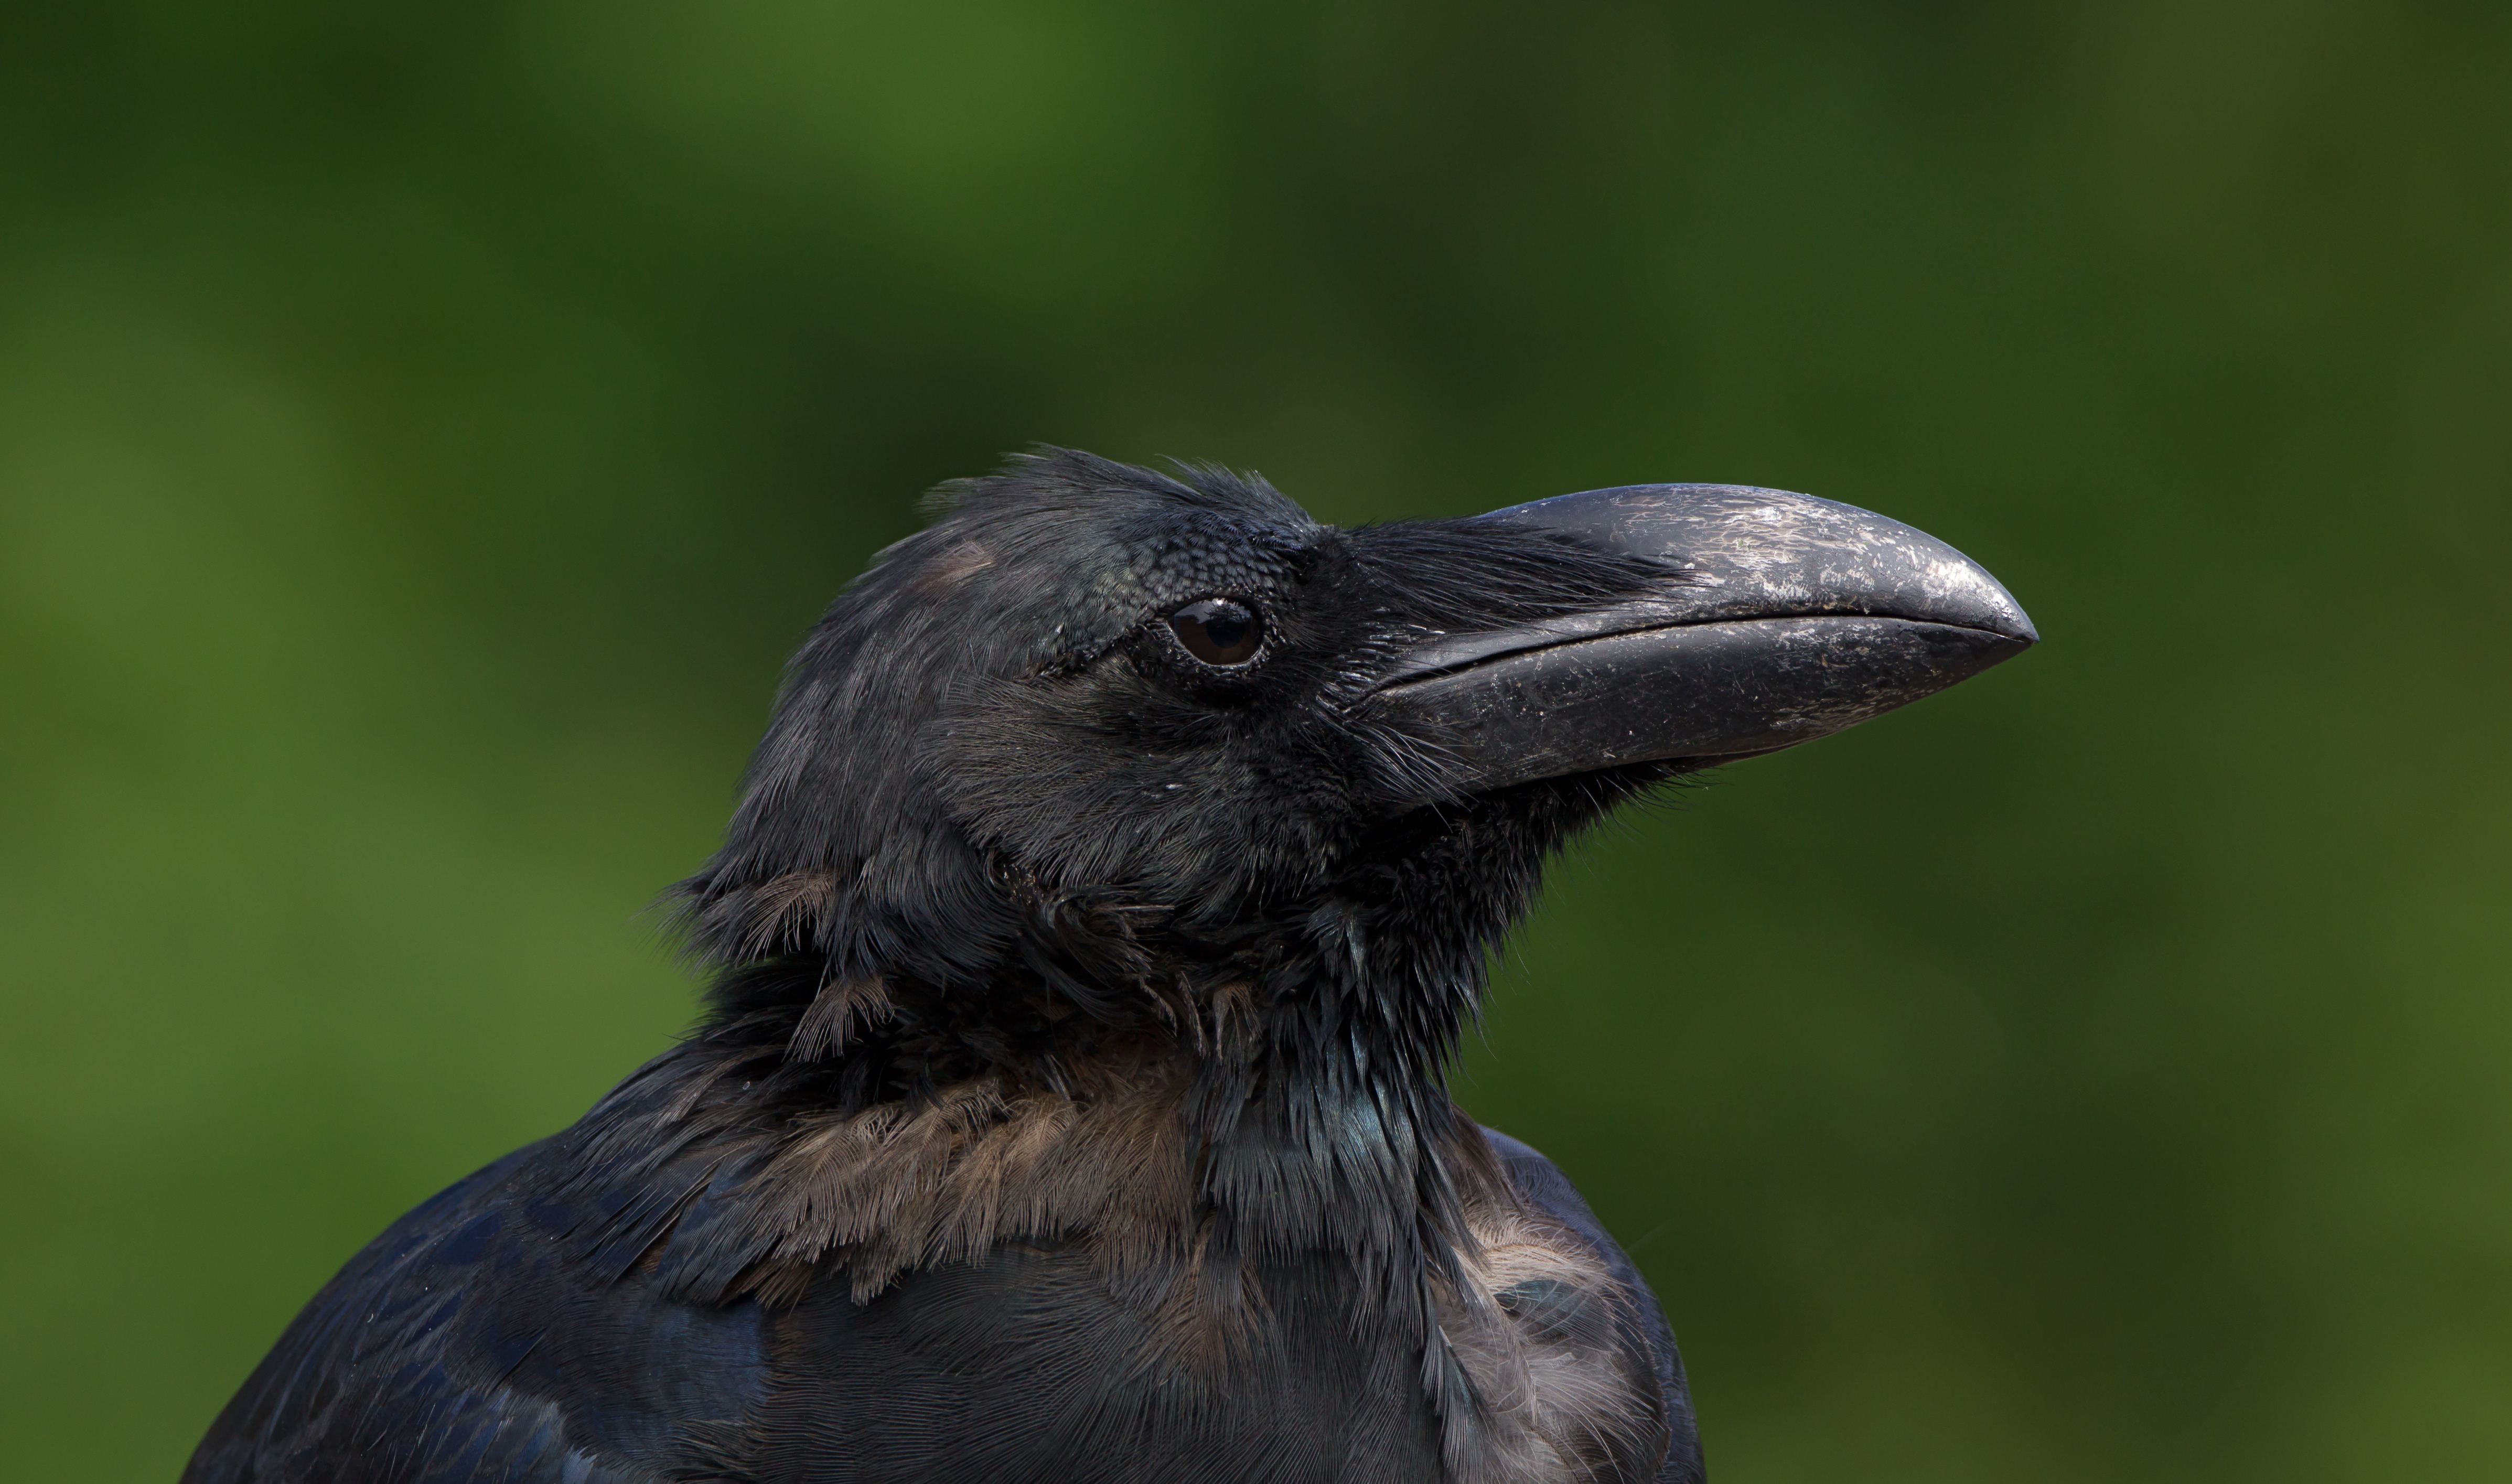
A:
(1117, 871)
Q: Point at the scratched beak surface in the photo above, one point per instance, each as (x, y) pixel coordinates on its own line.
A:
(1783, 618)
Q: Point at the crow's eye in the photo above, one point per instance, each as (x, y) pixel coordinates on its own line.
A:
(1219, 631)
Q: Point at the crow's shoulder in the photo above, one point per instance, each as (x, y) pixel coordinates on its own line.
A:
(480, 1339)
(1540, 1182)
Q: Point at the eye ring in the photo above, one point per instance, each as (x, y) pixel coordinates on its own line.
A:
(1223, 633)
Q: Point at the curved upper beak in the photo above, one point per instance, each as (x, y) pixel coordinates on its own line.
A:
(1783, 618)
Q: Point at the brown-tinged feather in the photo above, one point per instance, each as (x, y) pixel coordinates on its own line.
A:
(837, 1014)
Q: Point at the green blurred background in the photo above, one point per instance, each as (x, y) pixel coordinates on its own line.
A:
(425, 428)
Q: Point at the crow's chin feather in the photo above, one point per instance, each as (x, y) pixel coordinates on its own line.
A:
(1181, 1098)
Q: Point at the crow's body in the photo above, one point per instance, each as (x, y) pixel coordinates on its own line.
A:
(478, 1340)
(1111, 886)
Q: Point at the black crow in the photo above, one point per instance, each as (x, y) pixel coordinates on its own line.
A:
(1101, 907)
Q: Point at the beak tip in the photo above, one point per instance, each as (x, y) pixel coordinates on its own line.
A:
(2008, 620)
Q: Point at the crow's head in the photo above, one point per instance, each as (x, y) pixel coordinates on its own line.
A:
(1096, 718)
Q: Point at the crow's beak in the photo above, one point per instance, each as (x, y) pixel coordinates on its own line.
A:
(1783, 618)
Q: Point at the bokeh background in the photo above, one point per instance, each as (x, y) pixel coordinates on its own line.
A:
(425, 428)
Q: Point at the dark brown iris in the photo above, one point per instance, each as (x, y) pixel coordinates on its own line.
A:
(1219, 631)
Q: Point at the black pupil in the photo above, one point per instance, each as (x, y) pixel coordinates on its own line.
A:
(1218, 631)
